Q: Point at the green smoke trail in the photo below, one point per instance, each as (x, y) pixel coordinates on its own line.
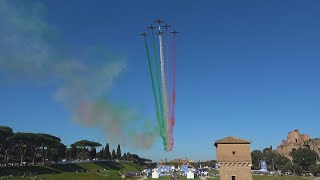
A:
(154, 93)
(159, 91)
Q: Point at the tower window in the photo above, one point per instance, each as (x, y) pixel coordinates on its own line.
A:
(233, 152)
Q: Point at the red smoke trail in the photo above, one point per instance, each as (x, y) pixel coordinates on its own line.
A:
(172, 119)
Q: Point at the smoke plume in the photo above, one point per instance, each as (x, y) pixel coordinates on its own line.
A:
(28, 52)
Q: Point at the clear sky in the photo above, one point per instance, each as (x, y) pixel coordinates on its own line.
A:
(249, 69)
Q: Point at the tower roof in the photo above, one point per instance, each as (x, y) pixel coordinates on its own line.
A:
(232, 140)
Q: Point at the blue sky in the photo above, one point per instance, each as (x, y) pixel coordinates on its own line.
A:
(244, 68)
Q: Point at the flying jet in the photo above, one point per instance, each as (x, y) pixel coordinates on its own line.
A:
(174, 32)
(159, 33)
(151, 27)
(167, 26)
(144, 34)
(159, 21)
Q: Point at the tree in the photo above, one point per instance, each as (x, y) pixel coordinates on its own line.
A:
(46, 142)
(281, 162)
(288, 167)
(265, 150)
(315, 169)
(73, 152)
(212, 163)
(114, 156)
(110, 156)
(107, 152)
(257, 156)
(85, 146)
(102, 155)
(5, 143)
(304, 157)
(125, 156)
(270, 156)
(93, 153)
(22, 141)
(128, 156)
(118, 152)
(297, 169)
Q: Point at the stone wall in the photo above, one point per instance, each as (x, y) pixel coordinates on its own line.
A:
(234, 153)
(241, 170)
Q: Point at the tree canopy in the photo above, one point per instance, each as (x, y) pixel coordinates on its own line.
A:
(86, 144)
(42, 148)
(304, 157)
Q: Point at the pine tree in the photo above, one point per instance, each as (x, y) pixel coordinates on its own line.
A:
(109, 156)
(107, 152)
(102, 153)
(118, 152)
(114, 156)
(99, 154)
(125, 156)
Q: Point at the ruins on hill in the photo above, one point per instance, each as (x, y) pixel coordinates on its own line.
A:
(295, 140)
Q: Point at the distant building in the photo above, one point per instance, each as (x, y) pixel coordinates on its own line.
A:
(234, 158)
(294, 141)
(182, 161)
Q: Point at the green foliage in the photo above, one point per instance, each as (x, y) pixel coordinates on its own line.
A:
(257, 156)
(287, 167)
(125, 156)
(297, 169)
(110, 156)
(51, 137)
(40, 148)
(5, 132)
(304, 157)
(114, 156)
(210, 163)
(102, 155)
(86, 144)
(118, 152)
(274, 161)
(281, 162)
(107, 152)
(315, 169)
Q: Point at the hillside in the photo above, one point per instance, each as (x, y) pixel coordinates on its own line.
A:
(90, 170)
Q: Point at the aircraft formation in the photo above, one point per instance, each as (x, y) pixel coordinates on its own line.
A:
(163, 78)
(160, 22)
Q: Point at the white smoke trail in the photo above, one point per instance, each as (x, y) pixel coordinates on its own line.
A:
(164, 87)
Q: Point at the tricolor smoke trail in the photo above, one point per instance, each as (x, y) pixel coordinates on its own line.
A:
(161, 113)
(154, 91)
(165, 96)
(164, 87)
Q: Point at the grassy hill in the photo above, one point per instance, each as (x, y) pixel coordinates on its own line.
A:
(92, 170)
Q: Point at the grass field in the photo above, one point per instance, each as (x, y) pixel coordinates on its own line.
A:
(90, 176)
(94, 171)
